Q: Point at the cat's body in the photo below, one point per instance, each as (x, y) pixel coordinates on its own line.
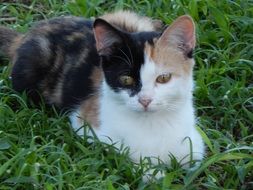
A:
(132, 83)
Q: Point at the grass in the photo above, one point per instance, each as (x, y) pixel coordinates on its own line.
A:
(38, 149)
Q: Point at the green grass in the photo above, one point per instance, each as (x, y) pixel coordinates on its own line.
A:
(38, 149)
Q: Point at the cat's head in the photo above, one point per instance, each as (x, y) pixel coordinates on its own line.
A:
(148, 71)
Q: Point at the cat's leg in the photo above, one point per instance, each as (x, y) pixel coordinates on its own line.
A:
(77, 123)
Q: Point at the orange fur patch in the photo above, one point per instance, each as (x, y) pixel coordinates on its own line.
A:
(131, 22)
(169, 58)
(75, 36)
(89, 110)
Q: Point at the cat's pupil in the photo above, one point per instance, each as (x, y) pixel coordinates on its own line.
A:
(164, 78)
(126, 80)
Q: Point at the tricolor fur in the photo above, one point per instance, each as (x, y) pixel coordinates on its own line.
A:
(131, 81)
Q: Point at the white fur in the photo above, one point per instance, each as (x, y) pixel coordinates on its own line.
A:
(162, 129)
(76, 122)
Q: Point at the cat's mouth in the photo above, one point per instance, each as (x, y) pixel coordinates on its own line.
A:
(145, 110)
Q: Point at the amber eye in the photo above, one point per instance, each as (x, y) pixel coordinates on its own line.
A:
(164, 78)
(126, 80)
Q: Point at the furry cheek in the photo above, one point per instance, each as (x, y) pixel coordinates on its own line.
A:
(130, 101)
(173, 94)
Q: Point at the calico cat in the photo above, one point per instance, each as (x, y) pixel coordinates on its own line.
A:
(121, 73)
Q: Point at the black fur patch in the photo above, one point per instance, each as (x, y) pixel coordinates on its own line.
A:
(70, 57)
(190, 54)
(126, 58)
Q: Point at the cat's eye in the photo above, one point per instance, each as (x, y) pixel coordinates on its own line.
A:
(126, 80)
(164, 78)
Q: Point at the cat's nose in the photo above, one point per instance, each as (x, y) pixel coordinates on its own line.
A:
(145, 101)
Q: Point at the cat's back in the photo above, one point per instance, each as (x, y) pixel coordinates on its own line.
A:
(59, 24)
(53, 57)
(56, 37)
(67, 32)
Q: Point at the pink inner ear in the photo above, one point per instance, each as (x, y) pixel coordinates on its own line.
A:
(182, 30)
(106, 36)
(99, 32)
(188, 31)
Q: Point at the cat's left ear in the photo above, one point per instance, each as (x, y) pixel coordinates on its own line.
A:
(106, 36)
(180, 34)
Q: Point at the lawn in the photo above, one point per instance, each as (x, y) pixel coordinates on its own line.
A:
(38, 149)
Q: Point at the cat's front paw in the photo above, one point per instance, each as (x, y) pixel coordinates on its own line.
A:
(151, 175)
(77, 123)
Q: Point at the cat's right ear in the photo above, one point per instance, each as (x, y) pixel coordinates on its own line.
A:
(106, 36)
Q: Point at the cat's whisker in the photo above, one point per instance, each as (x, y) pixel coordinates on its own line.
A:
(126, 57)
(171, 107)
(167, 106)
(130, 52)
(121, 58)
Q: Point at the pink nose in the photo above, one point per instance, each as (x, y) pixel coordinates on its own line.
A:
(144, 101)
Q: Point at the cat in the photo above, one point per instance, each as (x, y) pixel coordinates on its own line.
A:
(125, 74)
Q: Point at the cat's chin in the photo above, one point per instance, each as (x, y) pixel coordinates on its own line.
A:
(147, 111)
